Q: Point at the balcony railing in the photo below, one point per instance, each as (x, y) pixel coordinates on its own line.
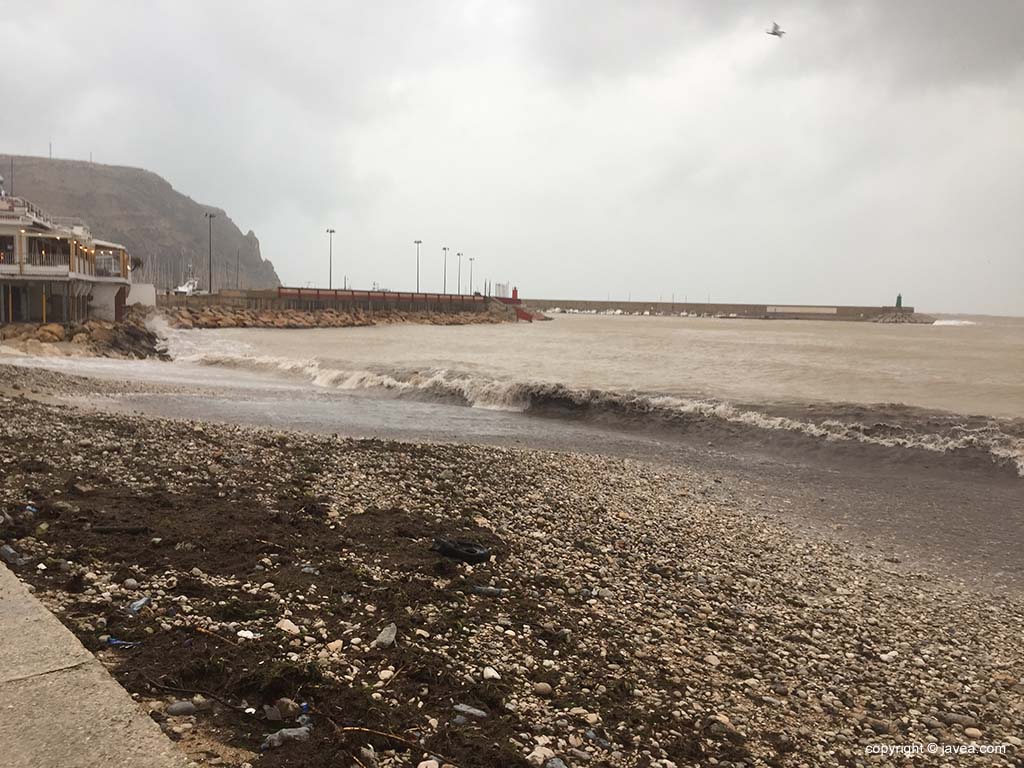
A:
(47, 259)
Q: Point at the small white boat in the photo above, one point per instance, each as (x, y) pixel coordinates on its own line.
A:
(190, 287)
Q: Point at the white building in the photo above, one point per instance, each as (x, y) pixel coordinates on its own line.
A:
(53, 270)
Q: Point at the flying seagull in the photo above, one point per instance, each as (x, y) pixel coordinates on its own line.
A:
(776, 30)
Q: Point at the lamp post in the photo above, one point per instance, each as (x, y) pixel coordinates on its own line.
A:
(459, 291)
(444, 271)
(330, 258)
(210, 217)
(471, 260)
(418, 244)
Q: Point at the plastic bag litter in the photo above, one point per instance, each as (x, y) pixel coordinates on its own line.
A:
(138, 605)
(466, 551)
(279, 738)
(115, 643)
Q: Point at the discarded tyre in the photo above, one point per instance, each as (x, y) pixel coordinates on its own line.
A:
(466, 551)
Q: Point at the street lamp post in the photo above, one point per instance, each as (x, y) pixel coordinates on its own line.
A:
(471, 260)
(418, 244)
(459, 291)
(210, 217)
(330, 259)
(444, 271)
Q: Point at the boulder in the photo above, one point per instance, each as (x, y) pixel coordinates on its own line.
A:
(51, 329)
(101, 335)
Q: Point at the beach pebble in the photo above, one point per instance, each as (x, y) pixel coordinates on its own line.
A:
(181, 708)
(465, 709)
(287, 625)
(386, 638)
(539, 756)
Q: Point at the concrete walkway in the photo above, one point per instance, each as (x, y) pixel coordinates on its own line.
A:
(59, 707)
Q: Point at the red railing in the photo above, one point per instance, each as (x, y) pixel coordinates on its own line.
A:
(410, 297)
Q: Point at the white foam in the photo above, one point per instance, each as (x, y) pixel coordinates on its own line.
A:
(954, 322)
(483, 392)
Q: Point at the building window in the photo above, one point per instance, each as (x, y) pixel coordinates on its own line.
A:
(108, 263)
(6, 249)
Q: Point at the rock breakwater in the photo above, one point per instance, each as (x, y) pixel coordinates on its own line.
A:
(129, 338)
(233, 317)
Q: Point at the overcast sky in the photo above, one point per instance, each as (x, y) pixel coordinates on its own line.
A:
(577, 149)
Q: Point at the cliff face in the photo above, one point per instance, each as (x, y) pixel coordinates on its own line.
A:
(140, 210)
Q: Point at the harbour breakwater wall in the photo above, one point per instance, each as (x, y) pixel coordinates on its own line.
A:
(341, 300)
(749, 311)
(317, 308)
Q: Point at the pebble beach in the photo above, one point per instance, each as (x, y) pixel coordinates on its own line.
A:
(242, 582)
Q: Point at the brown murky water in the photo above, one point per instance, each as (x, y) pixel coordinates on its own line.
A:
(967, 369)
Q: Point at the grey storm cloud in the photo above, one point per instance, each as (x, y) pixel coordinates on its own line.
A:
(579, 148)
(912, 42)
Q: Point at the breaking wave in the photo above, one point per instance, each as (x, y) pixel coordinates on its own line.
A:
(954, 322)
(1000, 440)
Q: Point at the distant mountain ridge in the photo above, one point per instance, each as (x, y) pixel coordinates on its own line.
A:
(143, 212)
